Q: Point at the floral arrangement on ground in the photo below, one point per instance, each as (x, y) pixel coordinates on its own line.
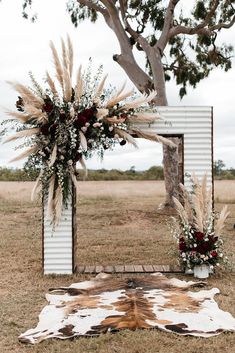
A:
(67, 124)
(198, 228)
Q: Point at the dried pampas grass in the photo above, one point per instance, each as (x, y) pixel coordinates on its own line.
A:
(83, 140)
(58, 205)
(50, 201)
(36, 186)
(221, 220)
(100, 87)
(25, 154)
(58, 66)
(27, 95)
(181, 211)
(79, 85)
(118, 98)
(146, 98)
(22, 117)
(83, 164)
(153, 137)
(123, 134)
(23, 133)
(51, 84)
(148, 118)
(53, 156)
(70, 55)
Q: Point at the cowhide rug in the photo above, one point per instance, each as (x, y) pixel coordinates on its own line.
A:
(107, 303)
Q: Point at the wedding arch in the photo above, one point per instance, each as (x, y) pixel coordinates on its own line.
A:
(193, 125)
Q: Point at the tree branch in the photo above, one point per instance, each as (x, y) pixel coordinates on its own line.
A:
(200, 28)
(93, 6)
(223, 25)
(162, 42)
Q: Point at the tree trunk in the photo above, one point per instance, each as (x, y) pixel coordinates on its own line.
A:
(171, 173)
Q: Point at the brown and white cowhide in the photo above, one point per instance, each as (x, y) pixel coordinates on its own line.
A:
(107, 303)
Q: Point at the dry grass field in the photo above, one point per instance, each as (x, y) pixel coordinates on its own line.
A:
(118, 222)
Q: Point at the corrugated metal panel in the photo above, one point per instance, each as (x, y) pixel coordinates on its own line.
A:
(58, 243)
(195, 123)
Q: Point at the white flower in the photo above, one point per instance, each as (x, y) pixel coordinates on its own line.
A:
(221, 255)
(70, 162)
(62, 158)
(84, 128)
(97, 124)
(101, 113)
(87, 124)
(97, 101)
(111, 128)
(195, 245)
(183, 254)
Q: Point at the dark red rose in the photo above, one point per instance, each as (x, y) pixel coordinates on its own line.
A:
(199, 235)
(48, 105)
(78, 156)
(52, 129)
(123, 142)
(214, 253)
(182, 245)
(62, 117)
(45, 129)
(123, 116)
(212, 239)
(203, 248)
(88, 113)
(80, 121)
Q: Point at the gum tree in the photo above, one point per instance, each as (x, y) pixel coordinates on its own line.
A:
(179, 40)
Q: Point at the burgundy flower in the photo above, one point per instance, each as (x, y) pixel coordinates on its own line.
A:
(203, 248)
(78, 156)
(48, 105)
(45, 129)
(199, 236)
(88, 113)
(182, 244)
(214, 253)
(81, 120)
(62, 117)
(212, 239)
(52, 130)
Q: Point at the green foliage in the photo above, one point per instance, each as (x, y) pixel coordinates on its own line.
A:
(192, 57)
(220, 173)
(30, 173)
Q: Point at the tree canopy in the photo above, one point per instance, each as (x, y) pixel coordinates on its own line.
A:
(185, 36)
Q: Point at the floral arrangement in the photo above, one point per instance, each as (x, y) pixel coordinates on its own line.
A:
(198, 229)
(65, 124)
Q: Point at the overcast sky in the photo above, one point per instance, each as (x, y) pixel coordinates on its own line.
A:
(24, 47)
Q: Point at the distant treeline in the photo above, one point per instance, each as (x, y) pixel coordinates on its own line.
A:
(153, 173)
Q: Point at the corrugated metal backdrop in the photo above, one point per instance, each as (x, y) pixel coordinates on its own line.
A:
(196, 126)
(194, 123)
(58, 243)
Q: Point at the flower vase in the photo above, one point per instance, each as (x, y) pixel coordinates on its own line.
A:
(201, 271)
(188, 271)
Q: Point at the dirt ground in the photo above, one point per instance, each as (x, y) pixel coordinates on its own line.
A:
(118, 222)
